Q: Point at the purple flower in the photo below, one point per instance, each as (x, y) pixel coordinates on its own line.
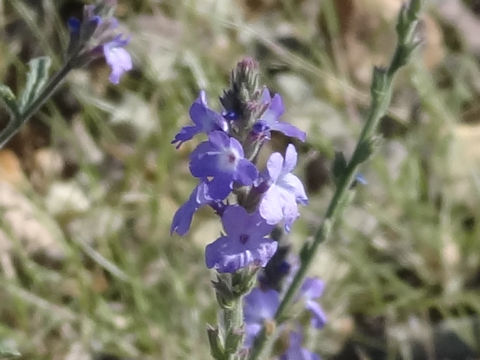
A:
(222, 158)
(205, 119)
(244, 243)
(312, 289)
(286, 190)
(295, 350)
(259, 306)
(184, 215)
(273, 113)
(95, 37)
(117, 58)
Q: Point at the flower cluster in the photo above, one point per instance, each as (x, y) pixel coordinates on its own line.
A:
(250, 201)
(95, 36)
(263, 301)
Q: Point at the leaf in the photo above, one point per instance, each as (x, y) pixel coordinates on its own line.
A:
(367, 148)
(8, 353)
(9, 100)
(36, 79)
(339, 165)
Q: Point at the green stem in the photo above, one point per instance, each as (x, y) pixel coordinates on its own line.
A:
(16, 122)
(381, 94)
(226, 340)
(233, 321)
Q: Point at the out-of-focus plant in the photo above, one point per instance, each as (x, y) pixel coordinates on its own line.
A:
(251, 203)
(92, 37)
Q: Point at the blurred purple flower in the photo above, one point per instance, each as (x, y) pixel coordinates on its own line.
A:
(295, 350)
(272, 114)
(117, 58)
(205, 119)
(259, 306)
(244, 243)
(95, 36)
(312, 289)
(286, 190)
(222, 158)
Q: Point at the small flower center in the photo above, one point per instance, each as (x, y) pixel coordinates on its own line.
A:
(228, 160)
(244, 238)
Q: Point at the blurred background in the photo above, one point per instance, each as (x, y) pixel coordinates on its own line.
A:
(88, 270)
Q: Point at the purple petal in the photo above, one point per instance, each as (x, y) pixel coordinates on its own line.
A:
(274, 166)
(238, 223)
(266, 98)
(236, 146)
(220, 186)
(276, 106)
(186, 133)
(246, 172)
(235, 220)
(293, 184)
(290, 160)
(278, 204)
(251, 331)
(205, 118)
(312, 288)
(290, 209)
(117, 58)
(204, 160)
(201, 194)
(183, 217)
(260, 305)
(270, 207)
(228, 256)
(220, 139)
(319, 319)
(288, 130)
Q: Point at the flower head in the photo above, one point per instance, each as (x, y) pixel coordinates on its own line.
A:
(222, 158)
(96, 36)
(271, 116)
(259, 306)
(205, 119)
(244, 243)
(286, 190)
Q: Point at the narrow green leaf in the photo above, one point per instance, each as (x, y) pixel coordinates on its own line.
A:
(216, 347)
(9, 100)
(36, 79)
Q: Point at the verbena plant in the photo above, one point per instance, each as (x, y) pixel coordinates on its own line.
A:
(264, 296)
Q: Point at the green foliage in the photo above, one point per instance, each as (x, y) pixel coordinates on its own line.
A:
(36, 79)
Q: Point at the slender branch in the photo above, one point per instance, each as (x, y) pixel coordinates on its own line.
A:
(381, 89)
